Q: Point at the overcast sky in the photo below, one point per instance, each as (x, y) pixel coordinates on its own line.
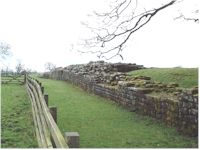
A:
(41, 31)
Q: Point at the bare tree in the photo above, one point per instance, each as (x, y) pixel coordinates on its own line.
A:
(116, 26)
(49, 66)
(182, 16)
(4, 50)
(6, 71)
(19, 68)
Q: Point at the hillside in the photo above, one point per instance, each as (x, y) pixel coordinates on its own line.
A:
(185, 77)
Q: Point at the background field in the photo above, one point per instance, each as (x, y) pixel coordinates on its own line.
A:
(185, 77)
(103, 124)
(17, 129)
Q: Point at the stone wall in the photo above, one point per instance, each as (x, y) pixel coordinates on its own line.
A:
(180, 112)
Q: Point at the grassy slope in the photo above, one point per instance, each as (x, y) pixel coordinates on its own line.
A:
(185, 77)
(16, 118)
(102, 124)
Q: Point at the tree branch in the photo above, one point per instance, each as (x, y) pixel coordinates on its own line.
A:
(118, 27)
(4, 50)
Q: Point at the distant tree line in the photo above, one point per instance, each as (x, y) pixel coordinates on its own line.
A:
(19, 70)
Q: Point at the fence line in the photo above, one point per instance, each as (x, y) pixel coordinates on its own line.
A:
(47, 132)
(14, 79)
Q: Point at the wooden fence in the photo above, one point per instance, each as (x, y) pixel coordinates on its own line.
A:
(47, 132)
(12, 79)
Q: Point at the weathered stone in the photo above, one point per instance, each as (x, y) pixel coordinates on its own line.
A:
(181, 110)
(122, 83)
(149, 85)
(173, 85)
(142, 77)
(194, 90)
(144, 90)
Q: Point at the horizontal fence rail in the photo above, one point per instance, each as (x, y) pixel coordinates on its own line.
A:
(12, 79)
(47, 132)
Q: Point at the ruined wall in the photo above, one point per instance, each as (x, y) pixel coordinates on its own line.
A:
(181, 112)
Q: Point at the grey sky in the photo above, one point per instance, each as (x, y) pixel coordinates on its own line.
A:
(41, 31)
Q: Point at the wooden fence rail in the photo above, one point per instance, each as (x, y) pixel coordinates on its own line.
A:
(12, 79)
(47, 132)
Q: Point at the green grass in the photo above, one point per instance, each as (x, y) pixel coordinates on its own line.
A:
(17, 129)
(185, 77)
(103, 124)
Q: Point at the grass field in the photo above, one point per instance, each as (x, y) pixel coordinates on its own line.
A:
(103, 124)
(17, 130)
(185, 77)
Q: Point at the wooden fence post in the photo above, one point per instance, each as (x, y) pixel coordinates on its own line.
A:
(46, 98)
(53, 111)
(39, 83)
(25, 78)
(72, 139)
(42, 89)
